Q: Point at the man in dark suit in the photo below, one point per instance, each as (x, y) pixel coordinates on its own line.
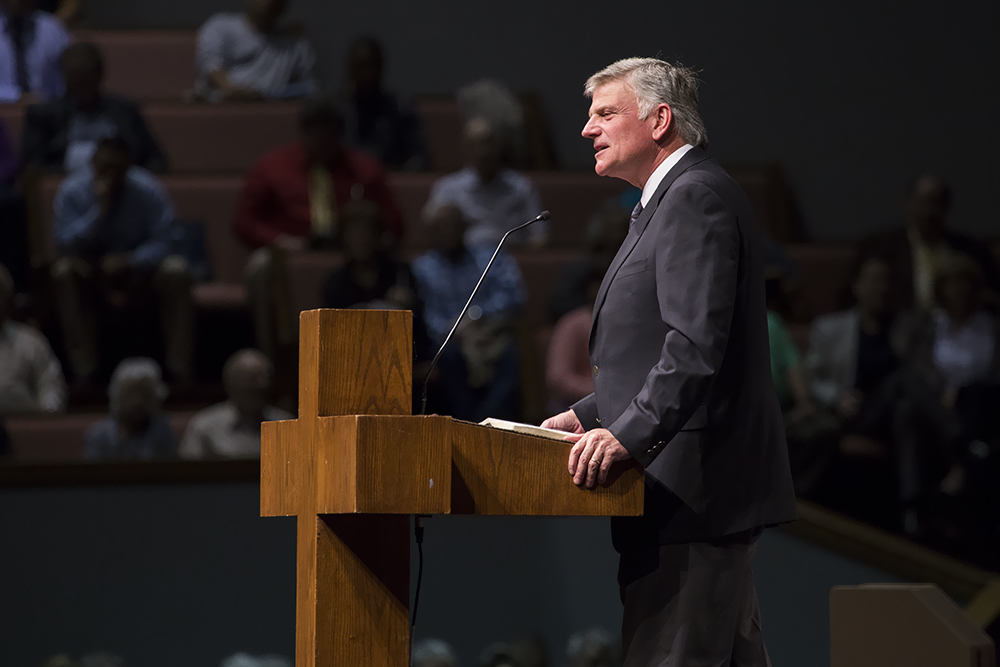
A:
(918, 248)
(62, 134)
(682, 379)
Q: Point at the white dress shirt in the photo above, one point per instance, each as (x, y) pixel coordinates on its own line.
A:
(656, 177)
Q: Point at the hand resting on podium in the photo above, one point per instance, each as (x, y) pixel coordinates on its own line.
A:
(593, 451)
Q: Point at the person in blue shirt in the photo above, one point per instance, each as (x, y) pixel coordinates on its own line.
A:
(112, 225)
(479, 372)
(31, 42)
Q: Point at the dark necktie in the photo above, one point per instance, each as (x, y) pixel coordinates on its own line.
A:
(635, 215)
(17, 35)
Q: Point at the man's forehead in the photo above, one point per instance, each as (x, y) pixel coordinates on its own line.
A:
(611, 94)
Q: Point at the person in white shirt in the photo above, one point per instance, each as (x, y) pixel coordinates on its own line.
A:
(231, 429)
(31, 379)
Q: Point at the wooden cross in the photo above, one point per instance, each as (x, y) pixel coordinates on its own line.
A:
(355, 465)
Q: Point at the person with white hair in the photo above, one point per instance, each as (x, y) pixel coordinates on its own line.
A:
(137, 428)
(682, 379)
(31, 379)
(231, 429)
(433, 652)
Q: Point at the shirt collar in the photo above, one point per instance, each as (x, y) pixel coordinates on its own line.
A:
(661, 170)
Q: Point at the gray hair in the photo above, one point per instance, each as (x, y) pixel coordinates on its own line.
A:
(240, 359)
(656, 82)
(432, 652)
(131, 369)
(591, 647)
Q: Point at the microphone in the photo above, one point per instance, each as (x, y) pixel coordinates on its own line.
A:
(544, 215)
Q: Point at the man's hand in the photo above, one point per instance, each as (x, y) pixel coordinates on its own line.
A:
(565, 421)
(592, 456)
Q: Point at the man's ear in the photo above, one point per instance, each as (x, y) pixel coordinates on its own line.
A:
(664, 118)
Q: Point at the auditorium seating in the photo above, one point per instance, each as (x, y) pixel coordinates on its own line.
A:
(59, 438)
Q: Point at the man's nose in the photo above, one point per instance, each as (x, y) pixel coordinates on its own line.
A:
(589, 130)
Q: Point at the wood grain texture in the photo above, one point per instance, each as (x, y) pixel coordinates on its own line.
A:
(355, 362)
(500, 472)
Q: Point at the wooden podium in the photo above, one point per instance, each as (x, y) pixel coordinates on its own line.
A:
(355, 465)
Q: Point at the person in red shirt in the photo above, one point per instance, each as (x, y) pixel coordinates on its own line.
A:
(292, 199)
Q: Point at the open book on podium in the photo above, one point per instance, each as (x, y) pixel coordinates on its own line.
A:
(356, 464)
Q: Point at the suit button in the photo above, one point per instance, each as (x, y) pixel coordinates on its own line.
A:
(596, 370)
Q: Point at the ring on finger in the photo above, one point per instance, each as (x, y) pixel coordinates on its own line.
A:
(595, 462)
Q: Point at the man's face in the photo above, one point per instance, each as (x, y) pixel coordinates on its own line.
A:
(871, 288)
(484, 147)
(110, 168)
(83, 83)
(927, 208)
(248, 388)
(136, 401)
(361, 239)
(321, 142)
(449, 229)
(624, 145)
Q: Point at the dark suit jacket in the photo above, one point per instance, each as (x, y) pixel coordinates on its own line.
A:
(682, 364)
(46, 133)
(894, 246)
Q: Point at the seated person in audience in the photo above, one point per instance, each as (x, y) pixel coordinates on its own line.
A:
(30, 43)
(812, 435)
(433, 653)
(966, 357)
(247, 56)
(493, 100)
(13, 231)
(922, 244)
(605, 232)
(479, 372)
(232, 429)
(112, 226)
(568, 372)
(592, 648)
(61, 134)
(31, 378)
(376, 122)
(370, 278)
(492, 198)
(137, 428)
(293, 198)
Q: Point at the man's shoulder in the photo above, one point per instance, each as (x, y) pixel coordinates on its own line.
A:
(463, 179)
(223, 21)
(516, 180)
(50, 25)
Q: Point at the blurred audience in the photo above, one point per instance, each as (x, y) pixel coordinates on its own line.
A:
(593, 648)
(30, 44)
(112, 227)
(812, 434)
(492, 197)
(62, 134)
(293, 198)
(529, 650)
(231, 429)
(137, 428)
(13, 232)
(246, 56)
(916, 250)
(568, 372)
(498, 655)
(247, 660)
(433, 653)
(376, 122)
(605, 232)
(31, 378)
(491, 99)
(480, 375)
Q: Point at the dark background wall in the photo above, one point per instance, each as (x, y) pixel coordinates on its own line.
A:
(851, 98)
(188, 574)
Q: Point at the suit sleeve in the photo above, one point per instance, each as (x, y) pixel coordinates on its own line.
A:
(586, 412)
(697, 265)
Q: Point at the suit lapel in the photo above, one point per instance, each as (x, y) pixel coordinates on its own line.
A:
(691, 158)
